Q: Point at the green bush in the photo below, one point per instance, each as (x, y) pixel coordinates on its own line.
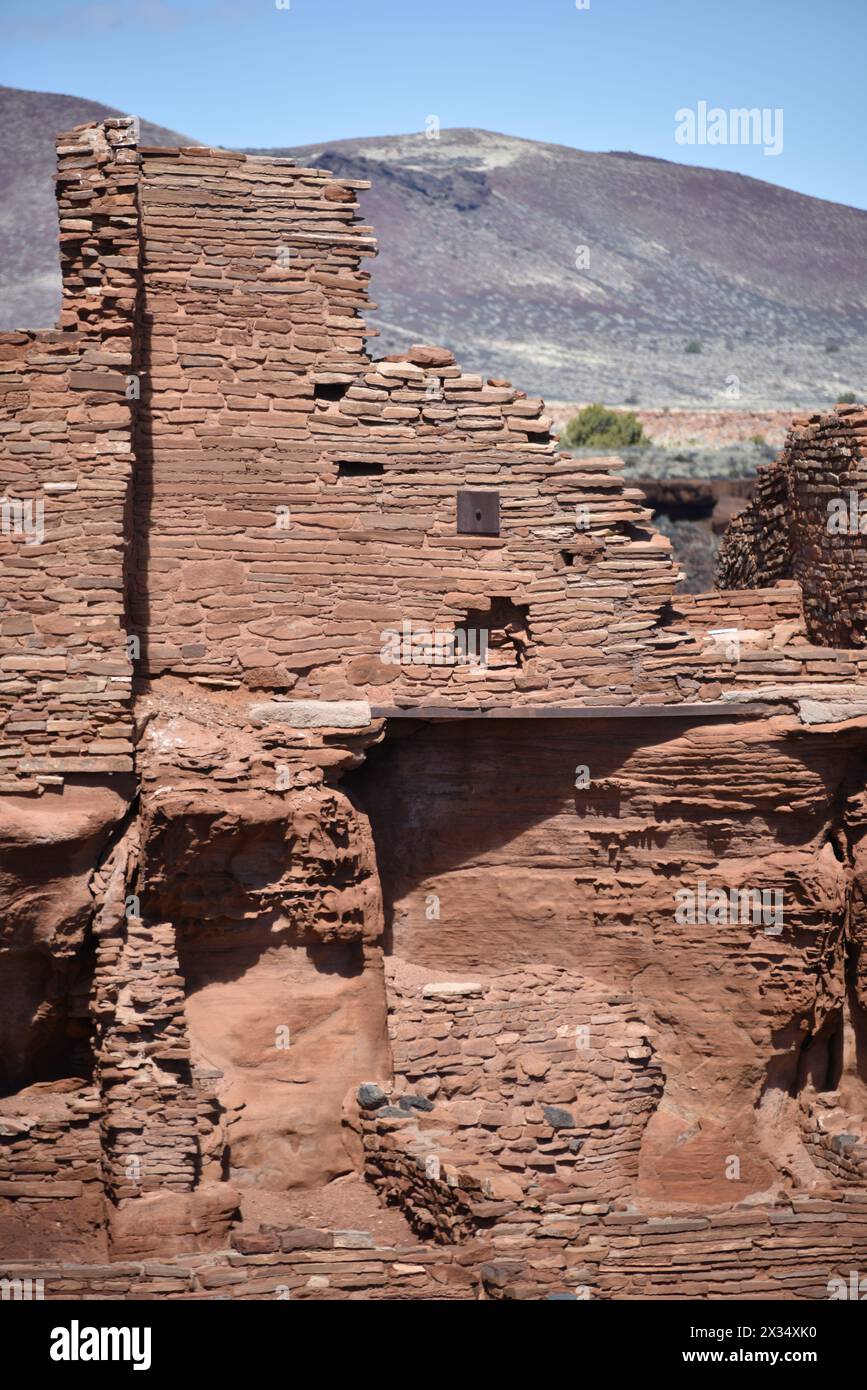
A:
(847, 398)
(758, 440)
(693, 346)
(597, 427)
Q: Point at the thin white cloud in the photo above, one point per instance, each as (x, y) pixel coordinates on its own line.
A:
(100, 17)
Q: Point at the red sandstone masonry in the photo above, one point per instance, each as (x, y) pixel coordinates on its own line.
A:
(532, 1079)
(65, 426)
(339, 1266)
(561, 1231)
(791, 1251)
(291, 499)
(50, 1152)
(785, 532)
(212, 345)
(257, 372)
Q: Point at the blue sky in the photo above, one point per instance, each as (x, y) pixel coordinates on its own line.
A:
(245, 72)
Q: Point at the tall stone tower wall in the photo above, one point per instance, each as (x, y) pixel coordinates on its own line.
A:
(808, 521)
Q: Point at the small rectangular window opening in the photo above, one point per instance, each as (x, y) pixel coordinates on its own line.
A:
(349, 469)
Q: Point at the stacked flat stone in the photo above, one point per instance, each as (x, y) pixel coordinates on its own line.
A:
(524, 1081)
(51, 1152)
(236, 494)
(238, 502)
(785, 532)
(790, 1251)
(150, 1107)
(66, 445)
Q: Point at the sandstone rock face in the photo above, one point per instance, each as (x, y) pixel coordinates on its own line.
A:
(284, 1089)
(491, 856)
(372, 803)
(49, 849)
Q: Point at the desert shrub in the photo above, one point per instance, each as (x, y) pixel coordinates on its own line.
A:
(847, 398)
(758, 440)
(597, 427)
(693, 346)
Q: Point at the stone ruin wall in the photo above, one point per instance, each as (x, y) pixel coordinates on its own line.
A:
(807, 523)
(223, 816)
(343, 472)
